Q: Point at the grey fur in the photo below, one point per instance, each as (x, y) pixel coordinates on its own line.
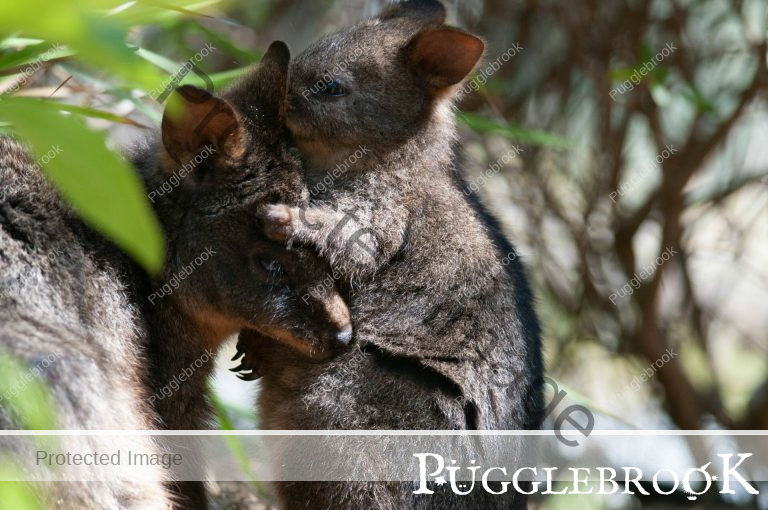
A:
(91, 304)
(442, 351)
(77, 307)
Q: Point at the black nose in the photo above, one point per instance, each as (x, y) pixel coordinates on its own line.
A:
(344, 336)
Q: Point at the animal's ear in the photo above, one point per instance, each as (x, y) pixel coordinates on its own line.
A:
(273, 75)
(444, 56)
(194, 119)
(425, 11)
(264, 87)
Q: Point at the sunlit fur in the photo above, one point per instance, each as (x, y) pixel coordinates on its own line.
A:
(440, 351)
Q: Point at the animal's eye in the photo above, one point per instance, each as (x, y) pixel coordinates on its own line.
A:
(271, 266)
(335, 89)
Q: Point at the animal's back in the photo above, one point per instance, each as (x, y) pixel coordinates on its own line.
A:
(67, 317)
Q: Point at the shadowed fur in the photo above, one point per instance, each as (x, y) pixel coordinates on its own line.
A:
(115, 328)
(250, 281)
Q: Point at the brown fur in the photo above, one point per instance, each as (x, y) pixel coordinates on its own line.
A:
(251, 282)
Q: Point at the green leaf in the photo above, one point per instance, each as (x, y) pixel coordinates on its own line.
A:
(102, 187)
(93, 113)
(646, 53)
(164, 63)
(484, 125)
(84, 28)
(219, 80)
(30, 400)
(41, 51)
(16, 495)
(149, 12)
(234, 443)
(33, 407)
(16, 42)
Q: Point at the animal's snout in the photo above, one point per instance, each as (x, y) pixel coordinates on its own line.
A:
(336, 316)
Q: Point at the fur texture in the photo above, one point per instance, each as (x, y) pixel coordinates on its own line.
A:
(250, 281)
(66, 295)
(121, 339)
(441, 306)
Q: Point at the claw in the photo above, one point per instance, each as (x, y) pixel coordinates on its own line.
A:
(238, 368)
(248, 377)
(239, 353)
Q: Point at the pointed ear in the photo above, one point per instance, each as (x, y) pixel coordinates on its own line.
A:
(273, 76)
(265, 86)
(195, 119)
(425, 11)
(444, 56)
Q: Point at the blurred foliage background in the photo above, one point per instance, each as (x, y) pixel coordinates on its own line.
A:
(563, 99)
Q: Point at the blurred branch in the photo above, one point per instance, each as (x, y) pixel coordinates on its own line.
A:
(572, 72)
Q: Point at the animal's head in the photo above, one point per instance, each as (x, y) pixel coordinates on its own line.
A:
(220, 160)
(379, 80)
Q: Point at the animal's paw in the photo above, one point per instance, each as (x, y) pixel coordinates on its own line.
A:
(278, 222)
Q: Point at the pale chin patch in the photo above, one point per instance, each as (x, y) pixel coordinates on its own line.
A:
(317, 152)
(319, 155)
(297, 129)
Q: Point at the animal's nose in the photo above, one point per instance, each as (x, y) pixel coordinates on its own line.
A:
(344, 337)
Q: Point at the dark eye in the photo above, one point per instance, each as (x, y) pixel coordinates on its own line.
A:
(271, 266)
(335, 89)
